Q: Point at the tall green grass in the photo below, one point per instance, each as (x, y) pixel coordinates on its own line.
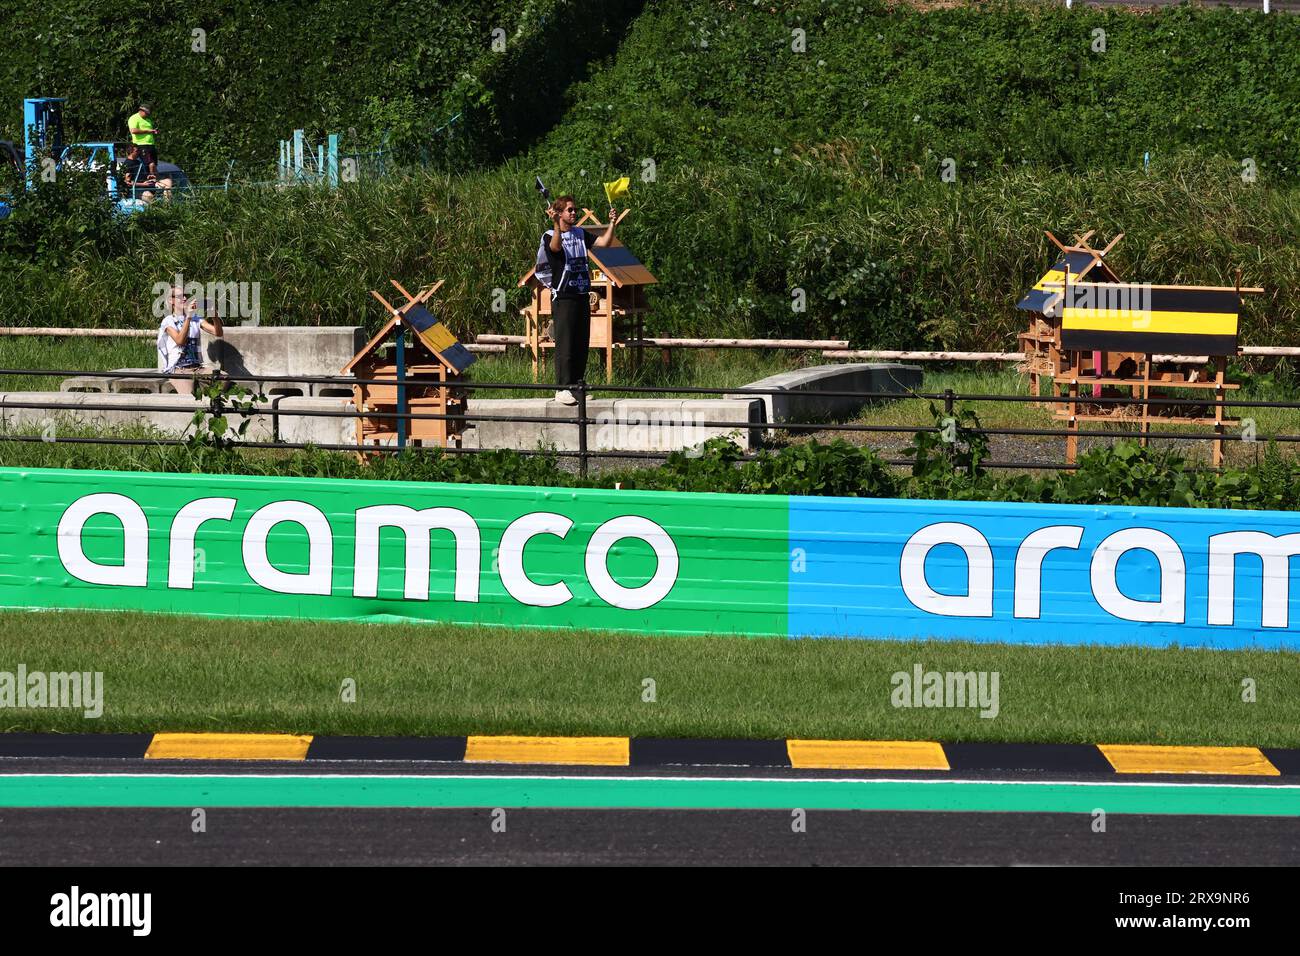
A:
(880, 262)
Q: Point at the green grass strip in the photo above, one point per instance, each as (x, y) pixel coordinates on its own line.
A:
(173, 673)
(699, 793)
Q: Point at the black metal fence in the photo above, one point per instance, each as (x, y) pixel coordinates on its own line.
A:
(582, 421)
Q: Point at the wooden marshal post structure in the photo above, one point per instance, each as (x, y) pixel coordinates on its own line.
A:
(1096, 336)
(426, 372)
(1041, 344)
(618, 302)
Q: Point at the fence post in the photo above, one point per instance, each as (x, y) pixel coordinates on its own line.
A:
(582, 428)
(949, 403)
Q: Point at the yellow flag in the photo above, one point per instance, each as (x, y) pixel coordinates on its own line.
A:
(616, 189)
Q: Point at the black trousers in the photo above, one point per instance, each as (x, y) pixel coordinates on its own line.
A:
(572, 334)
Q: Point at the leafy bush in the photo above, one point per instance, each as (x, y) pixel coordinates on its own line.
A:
(898, 88)
(1123, 474)
(51, 224)
(401, 67)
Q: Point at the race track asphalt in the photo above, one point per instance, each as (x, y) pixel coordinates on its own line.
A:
(422, 837)
(397, 836)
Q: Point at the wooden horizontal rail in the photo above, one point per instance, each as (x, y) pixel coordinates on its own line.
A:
(140, 334)
(82, 333)
(660, 343)
(926, 356)
(741, 343)
(1021, 357)
(830, 348)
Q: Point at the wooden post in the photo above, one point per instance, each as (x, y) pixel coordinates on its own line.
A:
(1072, 410)
(402, 423)
(609, 343)
(533, 317)
(1148, 361)
(638, 352)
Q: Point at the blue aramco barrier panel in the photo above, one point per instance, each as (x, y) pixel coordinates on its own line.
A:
(1041, 574)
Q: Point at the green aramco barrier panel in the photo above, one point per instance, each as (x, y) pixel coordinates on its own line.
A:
(243, 546)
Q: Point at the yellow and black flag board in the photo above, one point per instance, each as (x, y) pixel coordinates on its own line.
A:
(1072, 265)
(1135, 317)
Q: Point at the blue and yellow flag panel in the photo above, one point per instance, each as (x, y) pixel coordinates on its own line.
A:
(1133, 317)
(617, 262)
(438, 337)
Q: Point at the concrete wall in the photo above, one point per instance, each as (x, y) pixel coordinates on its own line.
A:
(118, 410)
(316, 429)
(273, 353)
(268, 354)
(802, 403)
(621, 424)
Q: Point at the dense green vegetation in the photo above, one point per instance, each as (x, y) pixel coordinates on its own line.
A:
(773, 170)
(894, 87)
(257, 71)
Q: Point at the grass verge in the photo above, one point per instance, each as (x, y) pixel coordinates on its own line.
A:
(194, 674)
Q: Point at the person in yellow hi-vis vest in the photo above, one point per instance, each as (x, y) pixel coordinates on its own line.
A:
(142, 139)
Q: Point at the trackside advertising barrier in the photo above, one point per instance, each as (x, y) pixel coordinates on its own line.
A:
(654, 562)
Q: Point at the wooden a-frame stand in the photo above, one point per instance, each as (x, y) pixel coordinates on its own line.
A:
(618, 307)
(425, 375)
(1148, 376)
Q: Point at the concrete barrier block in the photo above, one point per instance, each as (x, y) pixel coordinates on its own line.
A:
(523, 436)
(85, 383)
(330, 390)
(321, 350)
(316, 429)
(248, 351)
(743, 433)
(170, 414)
(800, 400)
(131, 382)
(279, 352)
(112, 410)
(642, 424)
(619, 424)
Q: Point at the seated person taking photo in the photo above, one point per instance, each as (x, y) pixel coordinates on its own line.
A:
(139, 183)
(179, 348)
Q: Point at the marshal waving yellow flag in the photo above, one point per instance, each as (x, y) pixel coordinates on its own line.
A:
(616, 189)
